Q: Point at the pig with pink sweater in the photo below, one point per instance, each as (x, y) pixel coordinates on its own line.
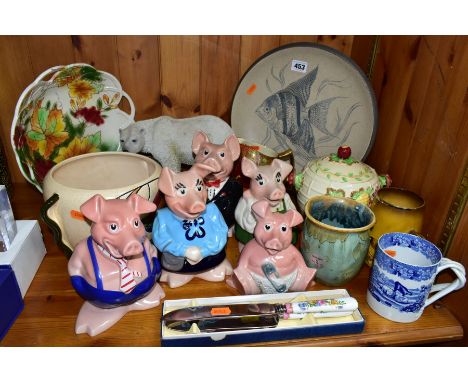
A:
(116, 268)
(190, 234)
(270, 263)
(266, 183)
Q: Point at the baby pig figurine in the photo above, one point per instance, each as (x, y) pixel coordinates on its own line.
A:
(116, 268)
(266, 183)
(224, 191)
(190, 234)
(270, 263)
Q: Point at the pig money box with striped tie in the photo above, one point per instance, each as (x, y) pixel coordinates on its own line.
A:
(116, 268)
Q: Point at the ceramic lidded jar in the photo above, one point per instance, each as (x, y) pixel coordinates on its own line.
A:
(339, 175)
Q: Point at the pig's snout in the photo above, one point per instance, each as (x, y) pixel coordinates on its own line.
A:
(197, 208)
(213, 163)
(276, 194)
(274, 244)
(133, 248)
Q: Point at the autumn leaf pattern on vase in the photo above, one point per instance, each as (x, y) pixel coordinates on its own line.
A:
(47, 130)
(91, 115)
(51, 129)
(79, 146)
(81, 89)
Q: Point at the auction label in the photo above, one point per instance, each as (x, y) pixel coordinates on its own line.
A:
(299, 66)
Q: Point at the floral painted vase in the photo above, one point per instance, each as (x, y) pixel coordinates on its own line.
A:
(339, 175)
(74, 112)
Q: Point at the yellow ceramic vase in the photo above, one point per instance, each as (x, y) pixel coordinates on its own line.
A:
(395, 210)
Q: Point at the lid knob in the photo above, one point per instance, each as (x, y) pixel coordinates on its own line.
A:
(344, 152)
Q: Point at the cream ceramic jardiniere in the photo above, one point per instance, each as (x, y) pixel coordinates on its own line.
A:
(72, 182)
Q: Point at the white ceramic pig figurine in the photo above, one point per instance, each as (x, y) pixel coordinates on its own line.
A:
(266, 183)
(190, 234)
(270, 263)
(224, 191)
(116, 268)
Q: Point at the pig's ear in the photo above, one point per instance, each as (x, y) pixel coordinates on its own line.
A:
(249, 168)
(294, 218)
(284, 167)
(260, 209)
(140, 205)
(232, 143)
(166, 184)
(199, 139)
(203, 169)
(92, 208)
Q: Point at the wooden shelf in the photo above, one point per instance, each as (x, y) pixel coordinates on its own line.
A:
(51, 306)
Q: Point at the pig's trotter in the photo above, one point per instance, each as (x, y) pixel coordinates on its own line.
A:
(94, 320)
(193, 255)
(175, 280)
(217, 273)
(151, 300)
(243, 282)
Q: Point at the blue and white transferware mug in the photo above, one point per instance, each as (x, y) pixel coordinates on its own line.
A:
(403, 275)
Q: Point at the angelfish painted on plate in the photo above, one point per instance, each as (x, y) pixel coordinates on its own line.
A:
(292, 121)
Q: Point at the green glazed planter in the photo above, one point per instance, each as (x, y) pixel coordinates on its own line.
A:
(336, 238)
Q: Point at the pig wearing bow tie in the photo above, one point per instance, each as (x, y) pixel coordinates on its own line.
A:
(116, 268)
(270, 263)
(190, 234)
(224, 191)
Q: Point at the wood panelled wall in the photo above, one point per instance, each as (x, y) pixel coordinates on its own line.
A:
(422, 89)
(421, 83)
(172, 75)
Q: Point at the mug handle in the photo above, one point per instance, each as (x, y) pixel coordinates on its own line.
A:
(446, 288)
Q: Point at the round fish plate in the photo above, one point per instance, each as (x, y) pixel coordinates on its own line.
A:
(307, 97)
(67, 111)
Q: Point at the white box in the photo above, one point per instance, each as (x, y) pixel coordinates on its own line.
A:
(26, 253)
(7, 221)
(284, 331)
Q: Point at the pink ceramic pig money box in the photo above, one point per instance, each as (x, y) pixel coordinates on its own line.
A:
(270, 263)
(116, 268)
(266, 183)
(190, 234)
(224, 191)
